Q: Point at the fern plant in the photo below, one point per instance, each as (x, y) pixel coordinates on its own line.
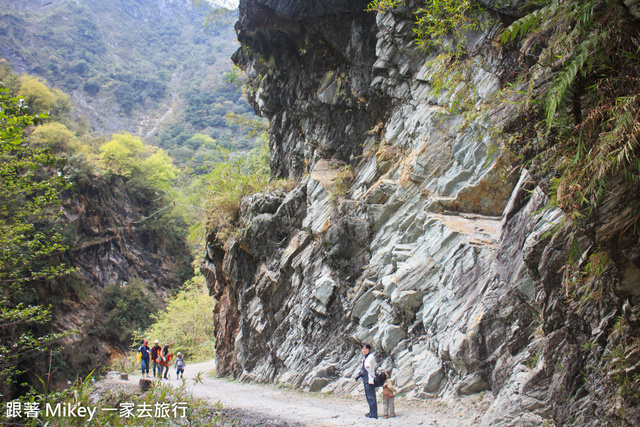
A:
(571, 51)
(585, 76)
(586, 71)
(441, 23)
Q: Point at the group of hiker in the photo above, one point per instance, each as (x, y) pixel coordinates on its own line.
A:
(160, 358)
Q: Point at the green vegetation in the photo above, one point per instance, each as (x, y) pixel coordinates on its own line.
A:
(575, 89)
(40, 161)
(135, 64)
(163, 405)
(125, 307)
(341, 183)
(583, 124)
(442, 23)
(126, 155)
(212, 179)
(186, 323)
(41, 99)
(229, 182)
(532, 360)
(30, 235)
(216, 14)
(204, 150)
(588, 129)
(209, 122)
(581, 100)
(53, 135)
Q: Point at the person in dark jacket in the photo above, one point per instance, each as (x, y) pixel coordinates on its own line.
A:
(145, 352)
(368, 374)
(155, 352)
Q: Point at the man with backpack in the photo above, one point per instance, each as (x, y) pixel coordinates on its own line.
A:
(368, 374)
(145, 352)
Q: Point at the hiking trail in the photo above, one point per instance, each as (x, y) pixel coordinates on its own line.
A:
(270, 405)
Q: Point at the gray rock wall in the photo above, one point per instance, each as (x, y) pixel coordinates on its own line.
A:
(409, 229)
(112, 241)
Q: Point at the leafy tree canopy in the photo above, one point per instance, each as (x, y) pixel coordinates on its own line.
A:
(159, 170)
(126, 307)
(31, 239)
(40, 98)
(187, 322)
(53, 135)
(122, 155)
(127, 155)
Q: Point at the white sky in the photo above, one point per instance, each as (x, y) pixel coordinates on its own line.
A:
(229, 4)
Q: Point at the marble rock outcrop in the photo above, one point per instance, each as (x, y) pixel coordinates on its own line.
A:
(409, 228)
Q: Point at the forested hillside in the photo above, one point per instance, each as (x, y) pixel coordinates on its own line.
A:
(78, 247)
(115, 146)
(153, 70)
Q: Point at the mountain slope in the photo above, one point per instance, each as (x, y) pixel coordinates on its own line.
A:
(131, 66)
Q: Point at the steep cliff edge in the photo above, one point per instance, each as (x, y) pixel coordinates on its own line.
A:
(117, 237)
(113, 241)
(412, 229)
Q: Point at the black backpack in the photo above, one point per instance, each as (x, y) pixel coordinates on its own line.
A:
(379, 379)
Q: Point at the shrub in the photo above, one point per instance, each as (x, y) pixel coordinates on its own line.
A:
(92, 87)
(124, 308)
(187, 322)
(53, 135)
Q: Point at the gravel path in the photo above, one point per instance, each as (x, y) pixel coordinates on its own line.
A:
(268, 405)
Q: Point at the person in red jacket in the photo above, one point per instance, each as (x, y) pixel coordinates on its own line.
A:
(155, 352)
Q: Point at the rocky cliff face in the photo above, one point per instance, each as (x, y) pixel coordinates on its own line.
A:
(113, 239)
(410, 228)
(116, 239)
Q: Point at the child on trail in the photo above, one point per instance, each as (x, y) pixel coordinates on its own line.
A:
(388, 393)
(179, 366)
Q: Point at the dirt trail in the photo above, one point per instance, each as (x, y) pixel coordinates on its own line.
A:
(268, 405)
